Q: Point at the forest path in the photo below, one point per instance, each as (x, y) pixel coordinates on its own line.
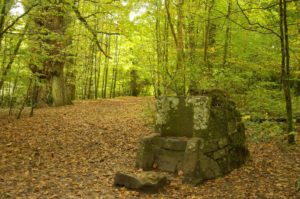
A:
(74, 152)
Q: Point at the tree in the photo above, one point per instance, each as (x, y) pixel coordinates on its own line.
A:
(49, 41)
(180, 79)
(285, 68)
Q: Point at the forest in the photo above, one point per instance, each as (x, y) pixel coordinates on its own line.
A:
(81, 82)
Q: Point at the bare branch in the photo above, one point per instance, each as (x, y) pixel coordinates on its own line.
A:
(247, 28)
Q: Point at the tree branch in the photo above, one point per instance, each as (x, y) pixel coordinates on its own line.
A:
(89, 28)
(170, 21)
(16, 20)
(13, 56)
(246, 28)
(257, 23)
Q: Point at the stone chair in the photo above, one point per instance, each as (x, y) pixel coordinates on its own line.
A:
(201, 136)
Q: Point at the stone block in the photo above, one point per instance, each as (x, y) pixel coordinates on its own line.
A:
(145, 181)
(174, 118)
(209, 168)
(145, 154)
(168, 160)
(220, 153)
(191, 162)
(210, 146)
(224, 165)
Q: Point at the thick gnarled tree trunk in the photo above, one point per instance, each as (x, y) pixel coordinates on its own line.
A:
(50, 21)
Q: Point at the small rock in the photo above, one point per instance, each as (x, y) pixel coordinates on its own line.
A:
(146, 181)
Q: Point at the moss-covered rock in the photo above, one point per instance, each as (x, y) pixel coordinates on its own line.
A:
(168, 160)
(208, 167)
(191, 162)
(174, 118)
(145, 154)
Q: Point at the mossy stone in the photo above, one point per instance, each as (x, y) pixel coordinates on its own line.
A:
(174, 118)
(191, 162)
(145, 153)
(168, 160)
(209, 168)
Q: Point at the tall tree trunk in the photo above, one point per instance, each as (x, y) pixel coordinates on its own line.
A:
(210, 29)
(97, 73)
(15, 85)
(105, 72)
(179, 78)
(52, 16)
(297, 93)
(180, 50)
(192, 45)
(285, 68)
(115, 69)
(165, 55)
(157, 84)
(91, 68)
(227, 34)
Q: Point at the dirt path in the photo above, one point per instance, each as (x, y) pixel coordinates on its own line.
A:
(74, 152)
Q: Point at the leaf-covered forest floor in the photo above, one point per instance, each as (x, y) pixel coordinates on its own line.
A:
(74, 152)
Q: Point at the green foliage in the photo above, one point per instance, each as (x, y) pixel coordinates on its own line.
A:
(265, 131)
(149, 113)
(264, 103)
(138, 35)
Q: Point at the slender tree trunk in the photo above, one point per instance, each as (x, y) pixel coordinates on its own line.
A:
(25, 99)
(105, 73)
(227, 34)
(97, 79)
(91, 68)
(158, 49)
(209, 33)
(285, 68)
(180, 49)
(12, 101)
(85, 76)
(179, 79)
(297, 93)
(166, 55)
(192, 45)
(115, 71)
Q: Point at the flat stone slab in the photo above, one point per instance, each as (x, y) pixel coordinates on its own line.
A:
(148, 181)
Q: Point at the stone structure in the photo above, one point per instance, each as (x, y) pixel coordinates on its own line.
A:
(201, 136)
